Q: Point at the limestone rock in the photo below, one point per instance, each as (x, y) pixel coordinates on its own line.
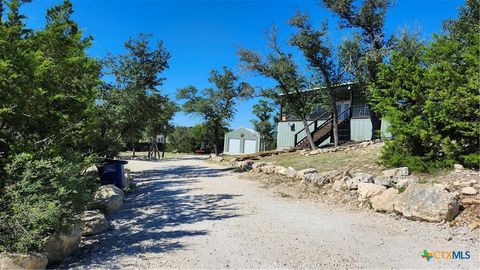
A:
(367, 190)
(268, 169)
(91, 171)
(95, 222)
(359, 178)
(108, 198)
(469, 191)
(281, 170)
(428, 203)
(301, 174)
(60, 245)
(396, 172)
(458, 167)
(257, 165)
(383, 181)
(404, 183)
(385, 201)
(291, 172)
(245, 165)
(216, 158)
(339, 185)
(23, 261)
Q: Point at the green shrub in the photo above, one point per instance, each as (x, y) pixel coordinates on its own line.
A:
(471, 160)
(40, 196)
(395, 154)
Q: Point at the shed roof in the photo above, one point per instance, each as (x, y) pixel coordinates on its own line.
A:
(248, 129)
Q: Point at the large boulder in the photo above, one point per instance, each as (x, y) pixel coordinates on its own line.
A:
(268, 169)
(301, 174)
(256, 167)
(323, 178)
(384, 181)
(469, 191)
(23, 261)
(427, 202)
(291, 172)
(367, 190)
(385, 201)
(58, 246)
(396, 172)
(338, 185)
(245, 165)
(95, 222)
(108, 198)
(405, 182)
(357, 179)
(281, 170)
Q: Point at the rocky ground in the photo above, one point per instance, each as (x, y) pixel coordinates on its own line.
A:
(188, 213)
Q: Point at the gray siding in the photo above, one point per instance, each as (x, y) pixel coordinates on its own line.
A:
(360, 129)
(286, 135)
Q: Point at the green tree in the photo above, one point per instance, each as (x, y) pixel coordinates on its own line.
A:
(290, 82)
(215, 105)
(429, 93)
(133, 104)
(319, 53)
(265, 125)
(362, 55)
(49, 86)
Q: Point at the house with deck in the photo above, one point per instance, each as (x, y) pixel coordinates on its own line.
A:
(354, 122)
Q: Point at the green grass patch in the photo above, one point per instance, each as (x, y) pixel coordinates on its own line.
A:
(362, 159)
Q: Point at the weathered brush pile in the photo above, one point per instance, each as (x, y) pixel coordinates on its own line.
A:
(394, 191)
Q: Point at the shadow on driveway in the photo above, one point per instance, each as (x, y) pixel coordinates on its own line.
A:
(147, 221)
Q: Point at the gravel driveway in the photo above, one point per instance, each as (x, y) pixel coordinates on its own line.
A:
(188, 213)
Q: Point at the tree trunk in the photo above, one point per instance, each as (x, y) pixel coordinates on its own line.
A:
(133, 149)
(150, 148)
(376, 125)
(308, 134)
(157, 153)
(215, 137)
(164, 146)
(335, 123)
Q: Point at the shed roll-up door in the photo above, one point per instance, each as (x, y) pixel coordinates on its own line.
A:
(233, 146)
(250, 146)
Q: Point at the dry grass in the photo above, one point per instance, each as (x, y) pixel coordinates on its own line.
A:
(361, 159)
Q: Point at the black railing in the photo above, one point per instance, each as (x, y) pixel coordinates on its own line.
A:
(315, 126)
(346, 114)
(360, 111)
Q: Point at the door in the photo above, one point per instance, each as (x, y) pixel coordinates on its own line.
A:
(250, 146)
(341, 107)
(233, 146)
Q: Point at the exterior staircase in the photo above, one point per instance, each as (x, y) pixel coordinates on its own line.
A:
(321, 132)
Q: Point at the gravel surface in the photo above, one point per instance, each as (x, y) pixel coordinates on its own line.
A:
(188, 213)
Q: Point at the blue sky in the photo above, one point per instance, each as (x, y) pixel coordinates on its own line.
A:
(205, 34)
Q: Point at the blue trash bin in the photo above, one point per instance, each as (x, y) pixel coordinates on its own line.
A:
(113, 173)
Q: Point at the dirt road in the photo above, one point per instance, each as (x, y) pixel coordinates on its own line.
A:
(188, 213)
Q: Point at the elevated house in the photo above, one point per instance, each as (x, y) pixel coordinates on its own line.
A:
(354, 121)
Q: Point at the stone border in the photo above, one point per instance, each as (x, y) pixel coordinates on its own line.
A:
(395, 191)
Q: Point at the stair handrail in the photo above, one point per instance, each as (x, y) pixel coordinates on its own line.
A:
(348, 110)
(316, 126)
